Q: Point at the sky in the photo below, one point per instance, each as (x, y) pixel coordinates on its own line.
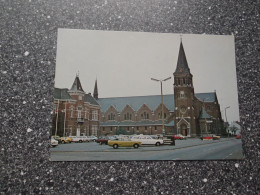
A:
(124, 63)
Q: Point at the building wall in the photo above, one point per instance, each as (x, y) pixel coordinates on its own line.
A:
(77, 115)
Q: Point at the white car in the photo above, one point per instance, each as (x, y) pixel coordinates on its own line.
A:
(80, 139)
(54, 142)
(147, 140)
(92, 138)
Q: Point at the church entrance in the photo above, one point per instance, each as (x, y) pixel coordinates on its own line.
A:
(184, 130)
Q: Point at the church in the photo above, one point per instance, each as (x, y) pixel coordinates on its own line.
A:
(184, 112)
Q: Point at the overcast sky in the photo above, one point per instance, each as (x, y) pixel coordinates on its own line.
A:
(125, 62)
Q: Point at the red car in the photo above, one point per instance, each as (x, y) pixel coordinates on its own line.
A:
(102, 140)
(238, 136)
(207, 138)
(179, 137)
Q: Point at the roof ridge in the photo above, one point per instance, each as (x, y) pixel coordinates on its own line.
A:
(134, 96)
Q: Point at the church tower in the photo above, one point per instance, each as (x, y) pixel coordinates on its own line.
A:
(185, 122)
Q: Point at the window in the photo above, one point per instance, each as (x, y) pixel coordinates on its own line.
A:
(94, 130)
(80, 97)
(79, 112)
(145, 127)
(137, 128)
(104, 129)
(128, 116)
(155, 127)
(71, 112)
(111, 129)
(94, 115)
(145, 116)
(85, 114)
(111, 116)
(182, 94)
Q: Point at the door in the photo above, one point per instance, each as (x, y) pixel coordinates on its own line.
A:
(184, 130)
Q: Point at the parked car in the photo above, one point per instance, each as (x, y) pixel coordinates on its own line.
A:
(147, 140)
(215, 137)
(207, 138)
(65, 140)
(57, 138)
(238, 136)
(92, 138)
(179, 137)
(124, 143)
(54, 142)
(80, 139)
(102, 140)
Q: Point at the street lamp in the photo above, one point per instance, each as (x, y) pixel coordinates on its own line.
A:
(162, 99)
(226, 116)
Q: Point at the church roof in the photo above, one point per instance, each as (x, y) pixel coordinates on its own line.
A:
(76, 86)
(182, 64)
(152, 101)
(204, 114)
(62, 94)
(206, 97)
(135, 123)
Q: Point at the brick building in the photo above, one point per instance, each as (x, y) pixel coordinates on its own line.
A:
(75, 112)
(185, 112)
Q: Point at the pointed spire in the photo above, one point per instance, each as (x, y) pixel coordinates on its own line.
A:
(95, 94)
(76, 86)
(182, 64)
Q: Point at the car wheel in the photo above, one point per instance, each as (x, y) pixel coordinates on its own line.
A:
(63, 142)
(80, 141)
(157, 143)
(136, 145)
(115, 146)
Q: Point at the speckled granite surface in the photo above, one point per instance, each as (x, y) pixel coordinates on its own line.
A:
(28, 37)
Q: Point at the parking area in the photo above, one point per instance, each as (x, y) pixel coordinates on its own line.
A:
(95, 147)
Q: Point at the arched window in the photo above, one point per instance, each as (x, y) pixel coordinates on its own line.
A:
(111, 116)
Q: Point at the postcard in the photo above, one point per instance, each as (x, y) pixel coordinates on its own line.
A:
(145, 96)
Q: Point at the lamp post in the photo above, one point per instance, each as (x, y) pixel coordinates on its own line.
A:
(226, 116)
(163, 130)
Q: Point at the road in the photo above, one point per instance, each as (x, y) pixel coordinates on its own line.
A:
(191, 149)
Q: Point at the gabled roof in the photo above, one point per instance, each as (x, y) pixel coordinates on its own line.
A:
(76, 86)
(182, 64)
(204, 114)
(135, 123)
(152, 101)
(62, 94)
(90, 99)
(206, 97)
